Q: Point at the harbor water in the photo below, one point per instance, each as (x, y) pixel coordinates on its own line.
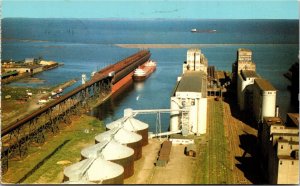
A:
(86, 45)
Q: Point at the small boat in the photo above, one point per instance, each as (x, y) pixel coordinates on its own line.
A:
(194, 30)
(202, 31)
(144, 71)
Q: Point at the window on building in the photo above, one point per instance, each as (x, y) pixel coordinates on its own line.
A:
(280, 163)
(292, 162)
(281, 146)
(193, 102)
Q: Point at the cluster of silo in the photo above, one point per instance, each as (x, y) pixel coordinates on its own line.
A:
(95, 170)
(132, 125)
(111, 159)
(124, 137)
(114, 152)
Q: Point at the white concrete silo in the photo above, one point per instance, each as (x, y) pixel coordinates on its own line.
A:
(95, 170)
(114, 152)
(131, 124)
(81, 182)
(124, 137)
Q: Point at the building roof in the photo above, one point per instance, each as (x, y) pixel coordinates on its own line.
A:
(191, 81)
(284, 134)
(220, 74)
(294, 117)
(244, 50)
(286, 157)
(249, 74)
(273, 121)
(29, 60)
(194, 50)
(264, 85)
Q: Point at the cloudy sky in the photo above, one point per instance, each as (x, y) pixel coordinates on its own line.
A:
(152, 9)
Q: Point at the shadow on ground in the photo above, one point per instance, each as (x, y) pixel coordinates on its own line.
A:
(249, 162)
(230, 97)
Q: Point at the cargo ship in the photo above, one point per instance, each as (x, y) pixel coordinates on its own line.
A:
(144, 71)
(122, 72)
(202, 31)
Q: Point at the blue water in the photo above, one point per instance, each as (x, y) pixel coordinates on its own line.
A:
(86, 45)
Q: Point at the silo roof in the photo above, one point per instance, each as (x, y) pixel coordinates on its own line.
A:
(130, 124)
(111, 150)
(191, 81)
(249, 74)
(107, 135)
(94, 170)
(264, 85)
(121, 135)
(79, 182)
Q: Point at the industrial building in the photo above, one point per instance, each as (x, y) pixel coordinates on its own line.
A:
(245, 83)
(264, 99)
(255, 95)
(279, 149)
(190, 93)
(195, 61)
(216, 82)
(243, 62)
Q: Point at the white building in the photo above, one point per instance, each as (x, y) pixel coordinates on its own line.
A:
(264, 99)
(190, 93)
(243, 62)
(245, 83)
(195, 61)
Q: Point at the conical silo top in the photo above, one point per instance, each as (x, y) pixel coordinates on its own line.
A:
(120, 135)
(92, 170)
(130, 124)
(109, 150)
(78, 182)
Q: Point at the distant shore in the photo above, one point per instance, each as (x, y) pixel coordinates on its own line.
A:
(187, 45)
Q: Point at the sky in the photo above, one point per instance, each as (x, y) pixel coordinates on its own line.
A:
(152, 9)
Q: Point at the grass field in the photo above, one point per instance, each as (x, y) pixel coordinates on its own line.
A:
(213, 165)
(80, 132)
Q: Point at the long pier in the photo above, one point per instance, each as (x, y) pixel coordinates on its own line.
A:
(17, 137)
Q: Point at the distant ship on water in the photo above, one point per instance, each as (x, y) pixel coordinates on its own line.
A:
(203, 31)
(144, 71)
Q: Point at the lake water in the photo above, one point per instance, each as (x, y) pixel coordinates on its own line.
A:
(86, 45)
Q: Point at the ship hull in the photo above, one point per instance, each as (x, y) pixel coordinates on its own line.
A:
(122, 83)
(139, 78)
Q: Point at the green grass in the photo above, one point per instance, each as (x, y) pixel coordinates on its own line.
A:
(212, 162)
(50, 171)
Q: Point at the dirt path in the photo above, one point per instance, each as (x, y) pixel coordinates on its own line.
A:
(234, 129)
(177, 171)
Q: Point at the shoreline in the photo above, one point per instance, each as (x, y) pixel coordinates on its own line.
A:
(138, 45)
